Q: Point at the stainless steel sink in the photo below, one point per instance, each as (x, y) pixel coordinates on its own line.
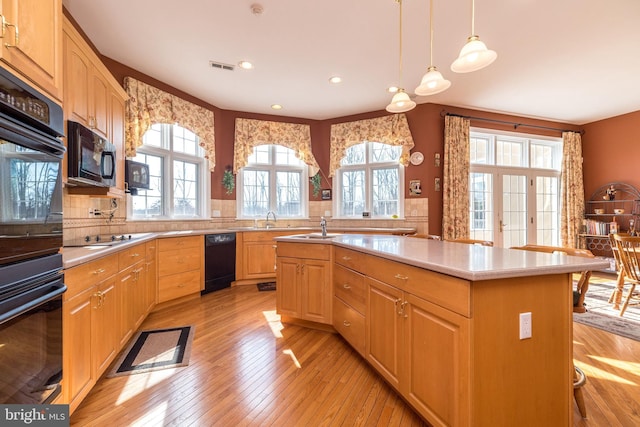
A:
(320, 236)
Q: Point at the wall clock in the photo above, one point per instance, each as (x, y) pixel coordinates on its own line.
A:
(416, 158)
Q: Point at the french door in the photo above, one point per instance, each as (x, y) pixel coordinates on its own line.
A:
(514, 207)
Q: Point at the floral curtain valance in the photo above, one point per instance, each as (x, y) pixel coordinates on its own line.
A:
(392, 130)
(148, 105)
(251, 133)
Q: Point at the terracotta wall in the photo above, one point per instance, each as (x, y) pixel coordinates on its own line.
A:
(426, 122)
(611, 152)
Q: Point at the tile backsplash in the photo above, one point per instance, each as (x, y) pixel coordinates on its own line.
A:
(79, 222)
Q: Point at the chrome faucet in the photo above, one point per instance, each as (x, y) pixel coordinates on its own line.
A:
(323, 225)
(269, 224)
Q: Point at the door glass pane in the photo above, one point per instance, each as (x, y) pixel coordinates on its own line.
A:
(547, 201)
(514, 210)
(481, 206)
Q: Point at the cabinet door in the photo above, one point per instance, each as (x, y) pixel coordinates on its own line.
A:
(288, 296)
(77, 71)
(259, 260)
(436, 358)
(32, 42)
(99, 99)
(126, 294)
(384, 330)
(316, 291)
(116, 136)
(78, 370)
(105, 308)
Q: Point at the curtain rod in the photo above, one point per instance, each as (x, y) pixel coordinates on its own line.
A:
(504, 122)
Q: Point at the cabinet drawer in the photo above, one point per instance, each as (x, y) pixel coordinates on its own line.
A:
(446, 291)
(178, 285)
(179, 243)
(350, 324)
(351, 259)
(179, 261)
(304, 250)
(86, 275)
(130, 256)
(349, 287)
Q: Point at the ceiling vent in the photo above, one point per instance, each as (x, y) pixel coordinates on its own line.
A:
(222, 66)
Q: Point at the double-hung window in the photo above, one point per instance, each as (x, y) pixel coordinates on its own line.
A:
(274, 180)
(370, 181)
(178, 175)
(514, 188)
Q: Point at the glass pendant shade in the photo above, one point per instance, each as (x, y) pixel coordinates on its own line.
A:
(432, 83)
(473, 56)
(400, 102)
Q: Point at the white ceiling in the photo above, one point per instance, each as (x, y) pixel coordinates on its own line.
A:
(573, 61)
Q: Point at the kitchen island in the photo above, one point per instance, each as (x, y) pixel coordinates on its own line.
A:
(440, 321)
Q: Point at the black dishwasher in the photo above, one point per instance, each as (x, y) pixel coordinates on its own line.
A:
(219, 261)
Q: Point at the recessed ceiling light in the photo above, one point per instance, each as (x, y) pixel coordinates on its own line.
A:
(392, 89)
(335, 79)
(276, 107)
(245, 65)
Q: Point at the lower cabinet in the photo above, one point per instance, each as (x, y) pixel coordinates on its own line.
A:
(180, 267)
(303, 281)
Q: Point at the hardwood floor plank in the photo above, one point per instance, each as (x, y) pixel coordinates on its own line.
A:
(243, 372)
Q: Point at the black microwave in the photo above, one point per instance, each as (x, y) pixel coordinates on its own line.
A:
(136, 176)
(92, 159)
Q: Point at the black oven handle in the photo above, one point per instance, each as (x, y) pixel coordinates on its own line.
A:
(112, 164)
(38, 300)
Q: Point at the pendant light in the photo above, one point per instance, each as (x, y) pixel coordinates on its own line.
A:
(474, 55)
(400, 101)
(432, 82)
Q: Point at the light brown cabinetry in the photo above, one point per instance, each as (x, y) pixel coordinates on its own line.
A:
(180, 267)
(32, 42)
(303, 281)
(94, 98)
(349, 304)
(256, 255)
(89, 315)
(132, 287)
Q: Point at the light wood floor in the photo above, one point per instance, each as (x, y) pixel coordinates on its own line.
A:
(246, 369)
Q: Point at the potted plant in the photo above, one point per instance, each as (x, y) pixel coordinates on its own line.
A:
(228, 180)
(316, 181)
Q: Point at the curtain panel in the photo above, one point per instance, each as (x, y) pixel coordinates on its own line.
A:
(455, 187)
(250, 133)
(392, 130)
(572, 189)
(148, 105)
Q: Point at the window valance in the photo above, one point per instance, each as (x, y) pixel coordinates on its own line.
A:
(251, 133)
(148, 105)
(392, 130)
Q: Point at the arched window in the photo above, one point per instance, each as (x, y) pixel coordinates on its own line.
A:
(178, 171)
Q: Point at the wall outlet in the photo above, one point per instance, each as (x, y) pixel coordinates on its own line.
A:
(216, 213)
(525, 326)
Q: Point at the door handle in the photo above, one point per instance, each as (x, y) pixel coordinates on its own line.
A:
(502, 226)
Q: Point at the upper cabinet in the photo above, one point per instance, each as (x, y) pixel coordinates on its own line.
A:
(32, 42)
(94, 98)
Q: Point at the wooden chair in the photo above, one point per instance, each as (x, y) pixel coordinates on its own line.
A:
(473, 242)
(579, 377)
(628, 251)
(425, 236)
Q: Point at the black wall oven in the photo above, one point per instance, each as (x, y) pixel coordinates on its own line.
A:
(31, 279)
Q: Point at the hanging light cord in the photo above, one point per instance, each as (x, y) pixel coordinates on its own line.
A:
(400, 56)
(473, 19)
(430, 33)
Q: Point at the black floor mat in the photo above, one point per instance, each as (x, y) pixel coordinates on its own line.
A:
(267, 286)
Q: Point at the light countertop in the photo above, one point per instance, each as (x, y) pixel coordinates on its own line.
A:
(470, 262)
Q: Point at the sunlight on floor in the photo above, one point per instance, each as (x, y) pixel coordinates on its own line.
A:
(273, 319)
(631, 367)
(593, 372)
(138, 383)
(152, 416)
(289, 353)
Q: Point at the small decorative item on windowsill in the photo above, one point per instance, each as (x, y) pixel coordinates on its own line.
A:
(228, 180)
(611, 193)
